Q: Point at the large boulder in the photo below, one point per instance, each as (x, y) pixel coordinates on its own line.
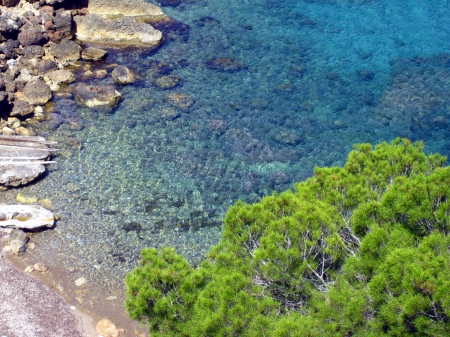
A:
(96, 96)
(65, 52)
(119, 31)
(123, 7)
(25, 216)
(37, 92)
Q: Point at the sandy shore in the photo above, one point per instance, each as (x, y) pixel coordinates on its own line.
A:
(45, 304)
(28, 308)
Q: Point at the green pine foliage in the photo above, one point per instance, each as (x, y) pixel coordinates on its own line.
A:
(359, 250)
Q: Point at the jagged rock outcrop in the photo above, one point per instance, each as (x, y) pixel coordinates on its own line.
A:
(121, 31)
(123, 7)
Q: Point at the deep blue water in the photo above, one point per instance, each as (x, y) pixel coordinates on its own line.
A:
(309, 79)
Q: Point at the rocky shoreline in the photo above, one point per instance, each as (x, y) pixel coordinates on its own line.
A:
(46, 45)
(48, 50)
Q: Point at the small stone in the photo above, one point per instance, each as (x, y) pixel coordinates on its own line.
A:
(26, 199)
(78, 291)
(80, 281)
(179, 100)
(17, 234)
(72, 307)
(7, 248)
(22, 216)
(29, 269)
(8, 131)
(93, 54)
(167, 82)
(106, 328)
(40, 267)
(2, 216)
(22, 131)
(123, 75)
(61, 76)
(100, 73)
(111, 298)
(79, 300)
(17, 247)
(31, 246)
(13, 122)
(225, 64)
(46, 203)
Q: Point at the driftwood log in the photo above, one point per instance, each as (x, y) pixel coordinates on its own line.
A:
(22, 159)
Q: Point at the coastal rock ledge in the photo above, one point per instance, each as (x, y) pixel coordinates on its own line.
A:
(119, 23)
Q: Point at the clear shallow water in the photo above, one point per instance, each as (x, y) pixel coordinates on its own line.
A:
(316, 77)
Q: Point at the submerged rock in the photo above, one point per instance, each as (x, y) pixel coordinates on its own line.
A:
(179, 100)
(123, 75)
(93, 54)
(97, 96)
(167, 82)
(225, 64)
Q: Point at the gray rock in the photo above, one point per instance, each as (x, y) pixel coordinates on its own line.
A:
(123, 75)
(121, 31)
(61, 76)
(65, 52)
(54, 120)
(17, 240)
(21, 108)
(63, 22)
(9, 25)
(8, 48)
(37, 92)
(103, 97)
(30, 37)
(15, 234)
(33, 52)
(45, 66)
(17, 247)
(93, 54)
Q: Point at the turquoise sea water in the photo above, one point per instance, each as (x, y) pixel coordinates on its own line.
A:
(310, 79)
